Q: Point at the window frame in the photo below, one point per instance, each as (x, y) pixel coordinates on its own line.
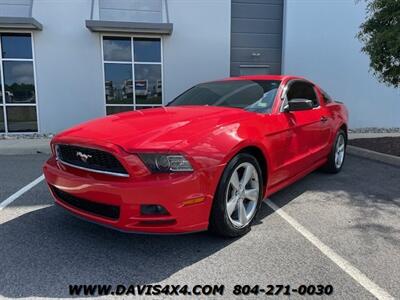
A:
(284, 98)
(132, 62)
(4, 104)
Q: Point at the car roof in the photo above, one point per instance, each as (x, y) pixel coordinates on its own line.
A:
(265, 77)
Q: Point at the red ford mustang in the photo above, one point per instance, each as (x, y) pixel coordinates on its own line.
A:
(205, 161)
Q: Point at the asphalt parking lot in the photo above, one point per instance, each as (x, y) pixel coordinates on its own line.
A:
(355, 214)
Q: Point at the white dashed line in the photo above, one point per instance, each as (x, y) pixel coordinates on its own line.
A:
(357, 275)
(19, 193)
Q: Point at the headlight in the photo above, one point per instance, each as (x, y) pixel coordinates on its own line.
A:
(165, 163)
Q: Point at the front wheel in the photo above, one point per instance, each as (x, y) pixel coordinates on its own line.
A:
(238, 197)
(337, 154)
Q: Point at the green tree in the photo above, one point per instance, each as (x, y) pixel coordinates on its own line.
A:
(380, 35)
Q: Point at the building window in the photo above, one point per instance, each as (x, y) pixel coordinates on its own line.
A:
(18, 111)
(129, 60)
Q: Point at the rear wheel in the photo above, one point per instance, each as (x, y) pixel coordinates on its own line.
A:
(238, 197)
(338, 153)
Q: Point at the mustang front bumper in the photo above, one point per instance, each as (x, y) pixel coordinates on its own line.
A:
(116, 202)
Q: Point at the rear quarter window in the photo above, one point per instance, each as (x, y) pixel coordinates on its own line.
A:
(326, 97)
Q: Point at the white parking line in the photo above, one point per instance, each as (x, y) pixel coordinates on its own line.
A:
(20, 192)
(357, 275)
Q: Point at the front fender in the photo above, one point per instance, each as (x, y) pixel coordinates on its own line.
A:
(214, 150)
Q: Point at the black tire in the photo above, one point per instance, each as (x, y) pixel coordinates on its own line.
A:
(219, 222)
(331, 166)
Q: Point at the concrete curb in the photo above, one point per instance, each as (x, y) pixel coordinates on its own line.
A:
(372, 135)
(24, 146)
(373, 155)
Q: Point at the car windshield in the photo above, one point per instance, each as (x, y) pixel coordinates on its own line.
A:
(252, 95)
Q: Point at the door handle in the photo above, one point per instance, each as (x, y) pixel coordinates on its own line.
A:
(324, 119)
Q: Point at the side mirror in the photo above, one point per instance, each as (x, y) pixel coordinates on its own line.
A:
(298, 104)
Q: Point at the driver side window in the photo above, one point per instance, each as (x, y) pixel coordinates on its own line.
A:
(302, 90)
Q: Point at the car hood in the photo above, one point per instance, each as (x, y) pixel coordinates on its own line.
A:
(152, 129)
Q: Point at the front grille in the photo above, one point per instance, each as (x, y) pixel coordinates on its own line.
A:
(99, 209)
(91, 159)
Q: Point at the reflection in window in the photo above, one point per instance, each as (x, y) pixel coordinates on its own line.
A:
(147, 50)
(16, 45)
(118, 83)
(117, 49)
(21, 118)
(18, 82)
(148, 86)
(138, 90)
(145, 107)
(2, 127)
(18, 111)
(118, 109)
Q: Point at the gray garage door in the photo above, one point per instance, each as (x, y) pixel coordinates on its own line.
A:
(256, 37)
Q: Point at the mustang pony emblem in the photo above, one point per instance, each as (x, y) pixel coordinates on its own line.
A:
(83, 157)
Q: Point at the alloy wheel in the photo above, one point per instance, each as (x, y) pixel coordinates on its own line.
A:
(339, 151)
(242, 195)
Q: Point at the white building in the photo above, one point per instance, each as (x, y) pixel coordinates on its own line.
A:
(67, 61)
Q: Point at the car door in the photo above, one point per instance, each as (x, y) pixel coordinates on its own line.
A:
(311, 126)
(286, 139)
